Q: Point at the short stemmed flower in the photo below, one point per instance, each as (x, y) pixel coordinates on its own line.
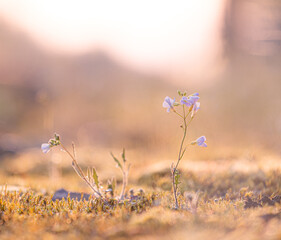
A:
(91, 179)
(190, 107)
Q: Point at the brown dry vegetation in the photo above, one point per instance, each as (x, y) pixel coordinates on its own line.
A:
(239, 198)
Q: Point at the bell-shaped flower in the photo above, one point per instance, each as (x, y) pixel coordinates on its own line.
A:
(195, 109)
(169, 103)
(45, 147)
(200, 141)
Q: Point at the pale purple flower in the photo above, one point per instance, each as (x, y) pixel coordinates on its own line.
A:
(201, 141)
(195, 108)
(45, 147)
(186, 101)
(169, 103)
(190, 100)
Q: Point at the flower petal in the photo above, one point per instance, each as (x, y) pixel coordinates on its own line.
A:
(186, 101)
(45, 147)
(201, 140)
(195, 108)
(168, 103)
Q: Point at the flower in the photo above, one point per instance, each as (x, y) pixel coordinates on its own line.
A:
(190, 100)
(195, 108)
(169, 103)
(201, 141)
(45, 147)
(185, 101)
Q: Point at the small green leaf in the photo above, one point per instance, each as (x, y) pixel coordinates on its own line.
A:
(109, 185)
(180, 93)
(117, 161)
(57, 137)
(177, 178)
(113, 182)
(95, 177)
(123, 155)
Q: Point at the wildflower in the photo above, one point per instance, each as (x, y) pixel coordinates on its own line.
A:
(195, 108)
(45, 147)
(194, 97)
(200, 141)
(169, 103)
(190, 100)
(190, 108)
(185, 101)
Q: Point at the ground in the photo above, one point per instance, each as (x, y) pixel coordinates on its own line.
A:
(239, 198)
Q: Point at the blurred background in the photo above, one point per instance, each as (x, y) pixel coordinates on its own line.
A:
(97, 72)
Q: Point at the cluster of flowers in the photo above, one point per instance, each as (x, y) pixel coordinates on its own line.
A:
(191, 102)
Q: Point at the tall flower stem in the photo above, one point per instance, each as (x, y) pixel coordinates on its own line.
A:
(181, 153)
(191, 105)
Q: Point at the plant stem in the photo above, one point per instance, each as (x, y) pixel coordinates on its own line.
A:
(79, 171)
(174, 169)
(174, 188)
(124, 185)
(125, 180)
(177, 113)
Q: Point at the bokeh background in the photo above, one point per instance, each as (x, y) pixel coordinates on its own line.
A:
(97, 73)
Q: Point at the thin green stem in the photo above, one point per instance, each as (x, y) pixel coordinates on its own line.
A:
(183, 110)
(174, 187)
(173, 169)
(64, 148)
(181, 153)
(183, 138)
(177, 113)
(189, 122)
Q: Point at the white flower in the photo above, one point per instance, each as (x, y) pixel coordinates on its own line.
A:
(45, 147)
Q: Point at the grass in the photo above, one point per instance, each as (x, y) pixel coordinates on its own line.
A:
(222, 212)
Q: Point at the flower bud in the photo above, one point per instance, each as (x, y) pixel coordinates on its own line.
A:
(57, 137)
